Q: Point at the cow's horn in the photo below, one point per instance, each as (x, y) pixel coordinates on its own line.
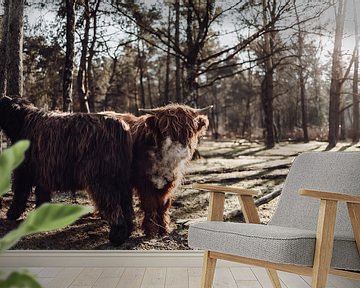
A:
(203, 110)
(150, 111)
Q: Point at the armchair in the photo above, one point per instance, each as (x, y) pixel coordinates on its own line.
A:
(312, 232)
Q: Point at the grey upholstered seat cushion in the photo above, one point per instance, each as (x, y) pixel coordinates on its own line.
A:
(270, 243)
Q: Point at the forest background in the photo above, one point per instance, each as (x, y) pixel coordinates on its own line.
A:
(275, 70)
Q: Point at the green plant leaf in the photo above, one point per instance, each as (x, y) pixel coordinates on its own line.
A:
(19, 279)
(45, 218)
(53, 216)
(9, 160)
(10, 239)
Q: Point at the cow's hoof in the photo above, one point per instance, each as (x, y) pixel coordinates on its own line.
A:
(163, 231)
(13, 214)
(118, 234)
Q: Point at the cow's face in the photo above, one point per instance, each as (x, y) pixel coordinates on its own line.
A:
(179, 123)
(175, 130)
(12, 113)
(5, 109)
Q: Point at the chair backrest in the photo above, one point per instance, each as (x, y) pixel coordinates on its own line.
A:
(325, 171)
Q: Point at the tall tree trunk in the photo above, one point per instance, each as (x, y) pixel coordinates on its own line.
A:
(148, 79)
(266, 99)
(317, 92)
(136, 104)
(247, 119)
(267, 85)
(82, 81)
(167, 72)
(159, 82)
(141, 74)
(177, 59)
(303, 106)
(69, 57)
(336, 77)
(342, 123)
(195, 44)
(214, 116)
(190, 81)
(90, 77)
(110, 83)
(355, 126)
(14, 76)
(301, 77)
(4, 47)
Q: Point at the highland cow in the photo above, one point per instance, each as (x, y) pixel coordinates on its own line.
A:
(164, 141)
(70, 152)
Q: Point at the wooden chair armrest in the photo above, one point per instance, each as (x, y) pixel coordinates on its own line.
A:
(353, 205)
(322, 195)
(225, 189)
(217, 199)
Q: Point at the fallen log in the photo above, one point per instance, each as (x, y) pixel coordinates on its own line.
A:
(258, 202)
(268, 197)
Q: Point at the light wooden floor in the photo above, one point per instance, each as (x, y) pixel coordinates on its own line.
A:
(170, 277)
(143, 269)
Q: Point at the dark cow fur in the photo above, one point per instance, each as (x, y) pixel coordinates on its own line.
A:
(70, 152)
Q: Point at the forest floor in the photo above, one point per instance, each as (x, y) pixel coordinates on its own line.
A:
(237, 163)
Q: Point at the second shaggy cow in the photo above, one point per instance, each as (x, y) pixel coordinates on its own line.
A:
(165, 139)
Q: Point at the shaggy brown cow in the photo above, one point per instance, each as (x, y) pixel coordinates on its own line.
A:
(70, 152)
(164, 141)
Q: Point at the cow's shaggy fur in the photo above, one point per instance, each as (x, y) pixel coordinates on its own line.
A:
(164, 141)
(70, 152)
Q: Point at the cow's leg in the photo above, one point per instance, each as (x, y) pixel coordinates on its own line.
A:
(156, 215)
(21, 187)
(42, 195)
(110, 201)
(163, 216)
(127, 208)
(149, 205)
(155, 204)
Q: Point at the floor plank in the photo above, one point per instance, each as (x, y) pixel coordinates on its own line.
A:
(35, 270)
(293, 280)
(44, 282)
(248, 284)
(308, 280)
(154, 278)
(263, 278)
(177, 278)
(64, 278)
(87, 277)
(243, 274)
(340, 282)
(50, 272)
(112, 272)
(108, 282)
(194, 279)
(132, 277)
(224, 278)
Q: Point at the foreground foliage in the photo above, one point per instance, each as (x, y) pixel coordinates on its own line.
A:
(46, 218)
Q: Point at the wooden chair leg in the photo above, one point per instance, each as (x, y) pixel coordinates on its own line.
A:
(208, 270)
(324, 243)
(354, 212)
(274, 278)
(252, 216)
